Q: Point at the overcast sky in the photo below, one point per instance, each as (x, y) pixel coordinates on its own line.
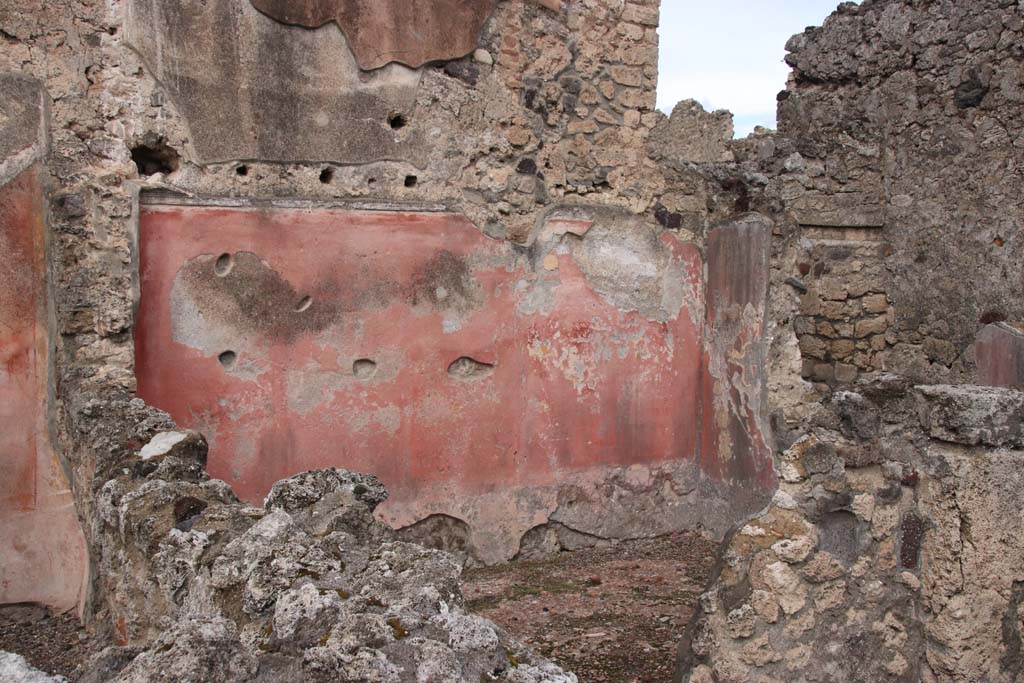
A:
(727, 54)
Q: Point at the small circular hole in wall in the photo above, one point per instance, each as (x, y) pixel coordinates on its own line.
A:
(989, 317)
(327, 175)
(371, 181)
(397, 121)
(304, 304)
(153, 155)
(227, 359)
(242, 170)
(411, 180)
(364, 368)
(224, 264)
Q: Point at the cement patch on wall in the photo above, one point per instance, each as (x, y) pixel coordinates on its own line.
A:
(500, 385)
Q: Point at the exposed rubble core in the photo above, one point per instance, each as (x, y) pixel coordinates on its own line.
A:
(473, 262)
(15, 669)
(310, 587)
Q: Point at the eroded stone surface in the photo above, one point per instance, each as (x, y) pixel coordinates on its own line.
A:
(14, 669)
(311, 587)
(252, 88)
(814, 583)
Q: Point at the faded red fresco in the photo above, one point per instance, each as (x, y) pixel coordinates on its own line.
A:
(734, 445)
(42, 552)
(1000, 355)
(344, 328)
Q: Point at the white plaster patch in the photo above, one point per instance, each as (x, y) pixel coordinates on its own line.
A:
(161, 444)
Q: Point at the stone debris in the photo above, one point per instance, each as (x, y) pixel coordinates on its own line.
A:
(161, 444)
(311, 587)
(14, 669)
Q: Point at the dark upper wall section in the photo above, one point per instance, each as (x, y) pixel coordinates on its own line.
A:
(253, 88)
(384, 31)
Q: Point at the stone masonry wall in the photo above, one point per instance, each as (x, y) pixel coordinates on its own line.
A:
(889, 551)
(898, 154)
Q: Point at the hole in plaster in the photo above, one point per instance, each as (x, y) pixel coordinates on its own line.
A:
(227, 359)
(327, 175)
(224, 264)
(153, 155)
(411, 180)
(304, 304)
(187, 511)
(396, 121)
(842, 535)
(364, 368)
(440, 532)
(371, 181)
(469, 369)
(242, 170)
(989, 317)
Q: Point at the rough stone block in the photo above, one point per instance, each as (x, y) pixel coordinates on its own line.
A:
(973, 416)
(876, 303)
(871, 326)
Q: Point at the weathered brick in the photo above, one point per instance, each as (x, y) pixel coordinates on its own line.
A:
(870, 326)
(845, 373)
(626, 75)
(639, 14)
(875, 303)
(842, 348)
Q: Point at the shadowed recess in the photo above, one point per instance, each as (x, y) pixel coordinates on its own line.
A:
(469, 369)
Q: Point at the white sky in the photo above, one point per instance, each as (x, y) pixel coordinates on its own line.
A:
(727, 54)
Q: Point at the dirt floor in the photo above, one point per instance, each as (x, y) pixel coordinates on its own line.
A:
(611, 615)
(56, 644)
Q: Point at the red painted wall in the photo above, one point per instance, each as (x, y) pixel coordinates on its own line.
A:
(42, 551)
(576, 383)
